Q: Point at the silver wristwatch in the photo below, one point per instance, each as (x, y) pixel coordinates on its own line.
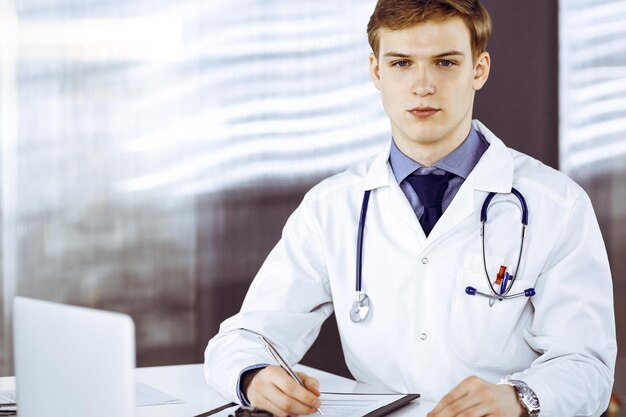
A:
(526, 396)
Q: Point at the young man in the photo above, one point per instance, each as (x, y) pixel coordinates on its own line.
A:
(546, 346)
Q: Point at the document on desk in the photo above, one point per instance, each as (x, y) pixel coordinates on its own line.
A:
(345, 405)
(363, 405)
(146, 395)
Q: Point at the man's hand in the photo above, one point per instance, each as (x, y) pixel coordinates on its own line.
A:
(475, 397)
(273, 390)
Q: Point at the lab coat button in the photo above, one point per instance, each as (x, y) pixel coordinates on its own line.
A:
(423, 336)
(424, 260)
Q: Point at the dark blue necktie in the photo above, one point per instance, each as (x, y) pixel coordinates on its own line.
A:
(430, 189)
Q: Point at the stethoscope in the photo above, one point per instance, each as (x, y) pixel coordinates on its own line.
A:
(361, 306)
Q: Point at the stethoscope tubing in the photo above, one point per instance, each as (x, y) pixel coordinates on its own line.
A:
(361, 305)
(359, 241)
(483, 219)
(520, 197)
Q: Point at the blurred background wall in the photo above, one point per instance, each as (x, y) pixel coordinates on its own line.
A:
(592, 145)
(151, 151)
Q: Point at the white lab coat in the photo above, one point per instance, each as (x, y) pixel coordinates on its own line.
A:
(423, 333)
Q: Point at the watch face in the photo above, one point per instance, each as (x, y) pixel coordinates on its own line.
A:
(529, 397)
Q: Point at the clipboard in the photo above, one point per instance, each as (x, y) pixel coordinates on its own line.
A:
(216, 410)
(379, 412)
(383, 411)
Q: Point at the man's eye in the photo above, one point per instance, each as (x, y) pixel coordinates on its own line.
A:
(401, 64)
(445, 63)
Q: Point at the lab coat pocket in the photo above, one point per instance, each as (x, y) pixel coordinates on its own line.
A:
(479, 333)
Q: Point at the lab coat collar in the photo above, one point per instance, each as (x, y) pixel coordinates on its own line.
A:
(493, 173)
(379, 172)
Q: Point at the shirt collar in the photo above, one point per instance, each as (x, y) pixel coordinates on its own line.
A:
(460, 161)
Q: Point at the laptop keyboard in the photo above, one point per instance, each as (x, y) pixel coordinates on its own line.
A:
(7, 397)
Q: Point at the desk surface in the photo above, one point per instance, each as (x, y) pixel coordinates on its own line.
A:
(186, 382)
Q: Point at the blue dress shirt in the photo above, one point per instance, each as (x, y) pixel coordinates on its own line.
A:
(459, 162)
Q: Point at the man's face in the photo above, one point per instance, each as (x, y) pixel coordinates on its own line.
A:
(427, 79)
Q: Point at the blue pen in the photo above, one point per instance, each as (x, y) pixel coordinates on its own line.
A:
(505, 282)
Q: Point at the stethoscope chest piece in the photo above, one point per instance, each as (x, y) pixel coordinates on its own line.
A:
(360, 308)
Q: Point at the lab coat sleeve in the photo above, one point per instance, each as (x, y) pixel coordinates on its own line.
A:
(287, 302)
(573, 326)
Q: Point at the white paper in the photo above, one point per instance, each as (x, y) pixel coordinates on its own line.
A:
(147, 395)
(144, 395)
(354, 405)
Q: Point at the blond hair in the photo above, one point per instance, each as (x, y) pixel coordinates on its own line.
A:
(401, 14)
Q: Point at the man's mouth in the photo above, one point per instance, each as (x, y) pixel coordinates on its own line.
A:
(423, 112)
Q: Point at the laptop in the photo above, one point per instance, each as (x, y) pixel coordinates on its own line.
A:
(73, 361)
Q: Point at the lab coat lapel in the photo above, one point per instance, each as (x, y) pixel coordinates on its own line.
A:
(461, 206)
(401, 207)
(493, 173)
(380, 175)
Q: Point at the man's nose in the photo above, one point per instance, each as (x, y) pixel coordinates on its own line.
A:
(423, 84)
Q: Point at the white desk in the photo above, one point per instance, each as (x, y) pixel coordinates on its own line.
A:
(186, 382)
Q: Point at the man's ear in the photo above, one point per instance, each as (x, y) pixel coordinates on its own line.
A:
(375, 71)
(481, 70)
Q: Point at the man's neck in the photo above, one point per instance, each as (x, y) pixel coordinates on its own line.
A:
(428, 154)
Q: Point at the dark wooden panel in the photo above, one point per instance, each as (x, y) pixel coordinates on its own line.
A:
(520, 100)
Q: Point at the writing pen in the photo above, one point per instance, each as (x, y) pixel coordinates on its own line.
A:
(283, 363)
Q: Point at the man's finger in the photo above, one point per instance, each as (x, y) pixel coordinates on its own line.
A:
(454, 395)
(287, 403)
(477, 410)
(272, 389)
(310, 383)
(266, 404)
(296, 391)
(466, 405)
(460, 391)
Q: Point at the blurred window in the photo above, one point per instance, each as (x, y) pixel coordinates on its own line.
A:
(117, 116)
